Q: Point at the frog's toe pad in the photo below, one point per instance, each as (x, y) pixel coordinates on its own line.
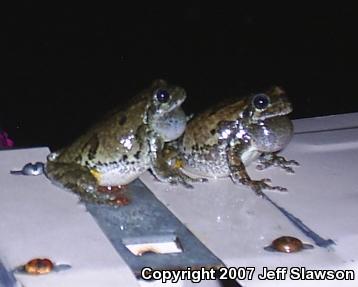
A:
(293, 162)
(265, 181)
(279, 188)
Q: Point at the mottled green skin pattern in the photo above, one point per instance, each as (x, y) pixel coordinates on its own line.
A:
(123, 145)
(102, 142)
(221, 141)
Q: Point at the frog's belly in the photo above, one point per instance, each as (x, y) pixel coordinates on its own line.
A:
(215, 165)
(211, 165)
(119, 176)
(207, 171)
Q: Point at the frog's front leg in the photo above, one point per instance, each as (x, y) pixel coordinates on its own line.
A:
(238, 172)
(166, 166)
(273, 159)
(80, 180)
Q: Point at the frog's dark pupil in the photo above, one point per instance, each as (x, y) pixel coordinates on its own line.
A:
(162, 96)
(261, 102)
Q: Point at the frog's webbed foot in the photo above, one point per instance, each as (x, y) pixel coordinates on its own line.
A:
(113, 195)
(96, 197)
(90, 192)
(272, 159)
(79, 180)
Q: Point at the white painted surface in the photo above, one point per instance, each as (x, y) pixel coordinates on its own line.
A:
(235, 224)
(39, 220)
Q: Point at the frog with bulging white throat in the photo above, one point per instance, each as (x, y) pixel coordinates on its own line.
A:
(222, 141)
(126, 143)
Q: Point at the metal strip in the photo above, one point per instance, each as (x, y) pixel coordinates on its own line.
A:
(146, 218)
(7, 279)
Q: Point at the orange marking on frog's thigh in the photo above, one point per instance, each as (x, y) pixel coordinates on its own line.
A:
(96, 174)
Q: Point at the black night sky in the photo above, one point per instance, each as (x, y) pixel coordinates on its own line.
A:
(66, 64)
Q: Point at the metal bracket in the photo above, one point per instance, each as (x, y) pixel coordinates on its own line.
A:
(147, 228)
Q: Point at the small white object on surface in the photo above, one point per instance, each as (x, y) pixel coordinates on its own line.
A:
(40, 220)
(236, 225)
(139, 249)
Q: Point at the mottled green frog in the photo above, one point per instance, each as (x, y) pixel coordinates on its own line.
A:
(223, 140)
(126, 143)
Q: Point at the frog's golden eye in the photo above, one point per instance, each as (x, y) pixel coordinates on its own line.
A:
(261, 101)
(162, 96)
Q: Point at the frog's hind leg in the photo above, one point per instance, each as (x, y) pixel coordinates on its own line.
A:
(272, 159)
(79, 180)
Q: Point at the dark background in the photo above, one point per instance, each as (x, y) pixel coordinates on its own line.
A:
(65, 65)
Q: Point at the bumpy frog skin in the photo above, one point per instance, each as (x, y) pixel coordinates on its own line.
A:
(122, 146)
(221, 141)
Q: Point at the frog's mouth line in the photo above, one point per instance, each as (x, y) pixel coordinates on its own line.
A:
(176, 105)
(282, 112)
